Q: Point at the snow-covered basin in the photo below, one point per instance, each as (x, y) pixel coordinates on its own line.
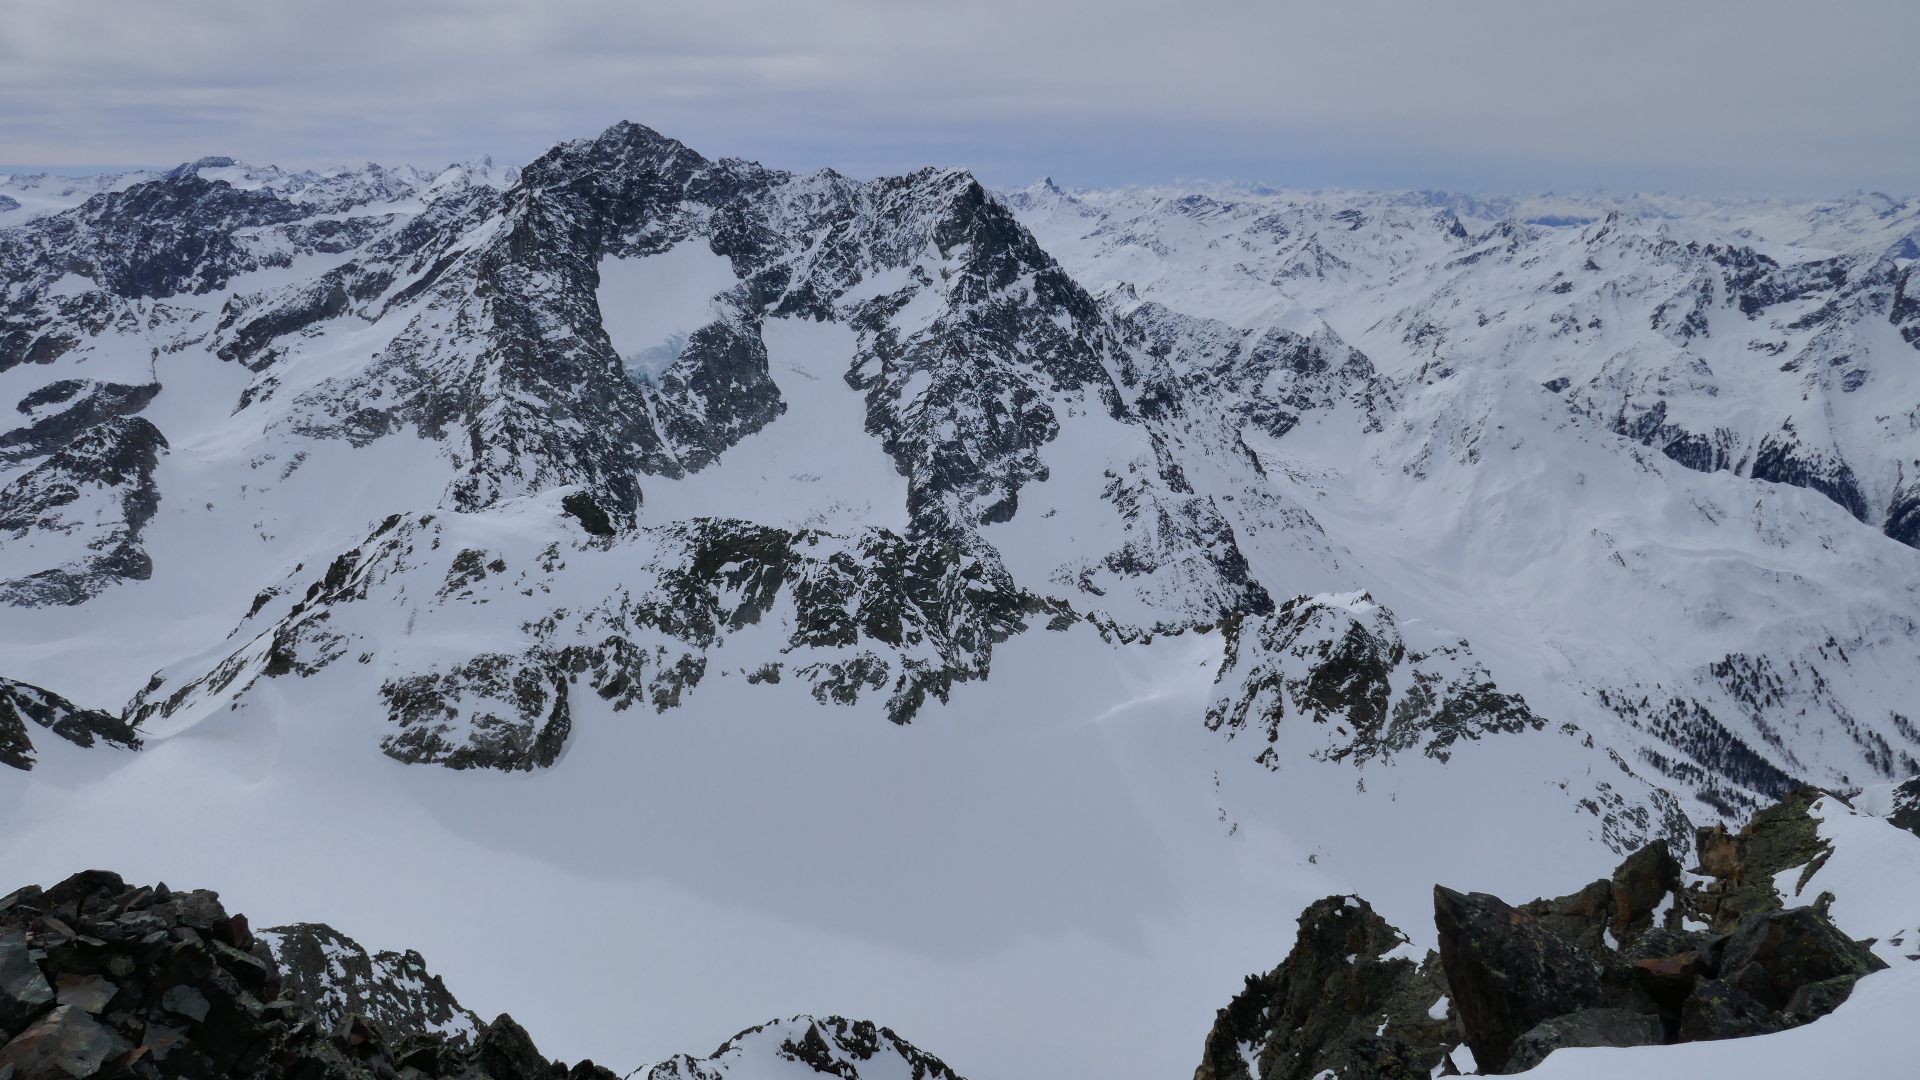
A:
(1051, 876)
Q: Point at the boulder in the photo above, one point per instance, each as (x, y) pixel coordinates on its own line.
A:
(24, 990)
(1611, 914)
(1582, 917)
(332, 975)
(1774, 954)
(1716, 1010)
(1815, 1000)
(1508, 972)
(1648, 878)
(65, 1044)
(1589, 1027)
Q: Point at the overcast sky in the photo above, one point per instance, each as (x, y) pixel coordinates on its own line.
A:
(1703, 95)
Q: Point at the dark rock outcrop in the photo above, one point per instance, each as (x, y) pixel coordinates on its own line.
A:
(1340, 1001)
(83, 464)
(1743, 865)
(1772, 956)
(1624, 961)
(102, 979)
(21, 702)
(333, 977)
(1905, 812)
(1508, 972)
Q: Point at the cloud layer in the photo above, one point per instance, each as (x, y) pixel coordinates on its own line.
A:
(1757, 95)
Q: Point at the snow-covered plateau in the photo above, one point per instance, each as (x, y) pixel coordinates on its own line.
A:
(994, 615)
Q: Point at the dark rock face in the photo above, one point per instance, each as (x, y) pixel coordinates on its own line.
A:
(1508, 972)
(101, 979)
(24, 989)
(1593, 1027)
(1905, 813)
(85, 466)
(333, 977)
(1338, 1002)
(21, 702)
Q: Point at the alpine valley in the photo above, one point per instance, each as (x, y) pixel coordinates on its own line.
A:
(671, 594)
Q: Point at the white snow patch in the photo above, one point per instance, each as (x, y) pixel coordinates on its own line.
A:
(648, 305)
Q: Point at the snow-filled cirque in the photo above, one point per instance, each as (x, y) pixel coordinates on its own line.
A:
(683, 599)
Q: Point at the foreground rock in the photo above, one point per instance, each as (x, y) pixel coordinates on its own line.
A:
(102, 979)
(1638, 960)
(1508, 972)
(1635, 959)
(1349, 999)
(99, 979)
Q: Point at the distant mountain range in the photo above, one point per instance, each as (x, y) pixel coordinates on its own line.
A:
(1621, 491)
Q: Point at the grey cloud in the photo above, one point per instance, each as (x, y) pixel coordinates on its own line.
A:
(1757, 95)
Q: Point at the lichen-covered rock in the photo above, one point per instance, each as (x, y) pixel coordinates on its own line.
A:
(1743, 865)
(1349, 999)
(1813, 1000)
(1773, 955)
(1609, 917)
(1589, 1027)
(1508, 972)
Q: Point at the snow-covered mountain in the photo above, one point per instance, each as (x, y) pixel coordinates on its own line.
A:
(1208, 550)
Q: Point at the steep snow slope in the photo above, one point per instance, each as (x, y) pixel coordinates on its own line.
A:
(1208, 553)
